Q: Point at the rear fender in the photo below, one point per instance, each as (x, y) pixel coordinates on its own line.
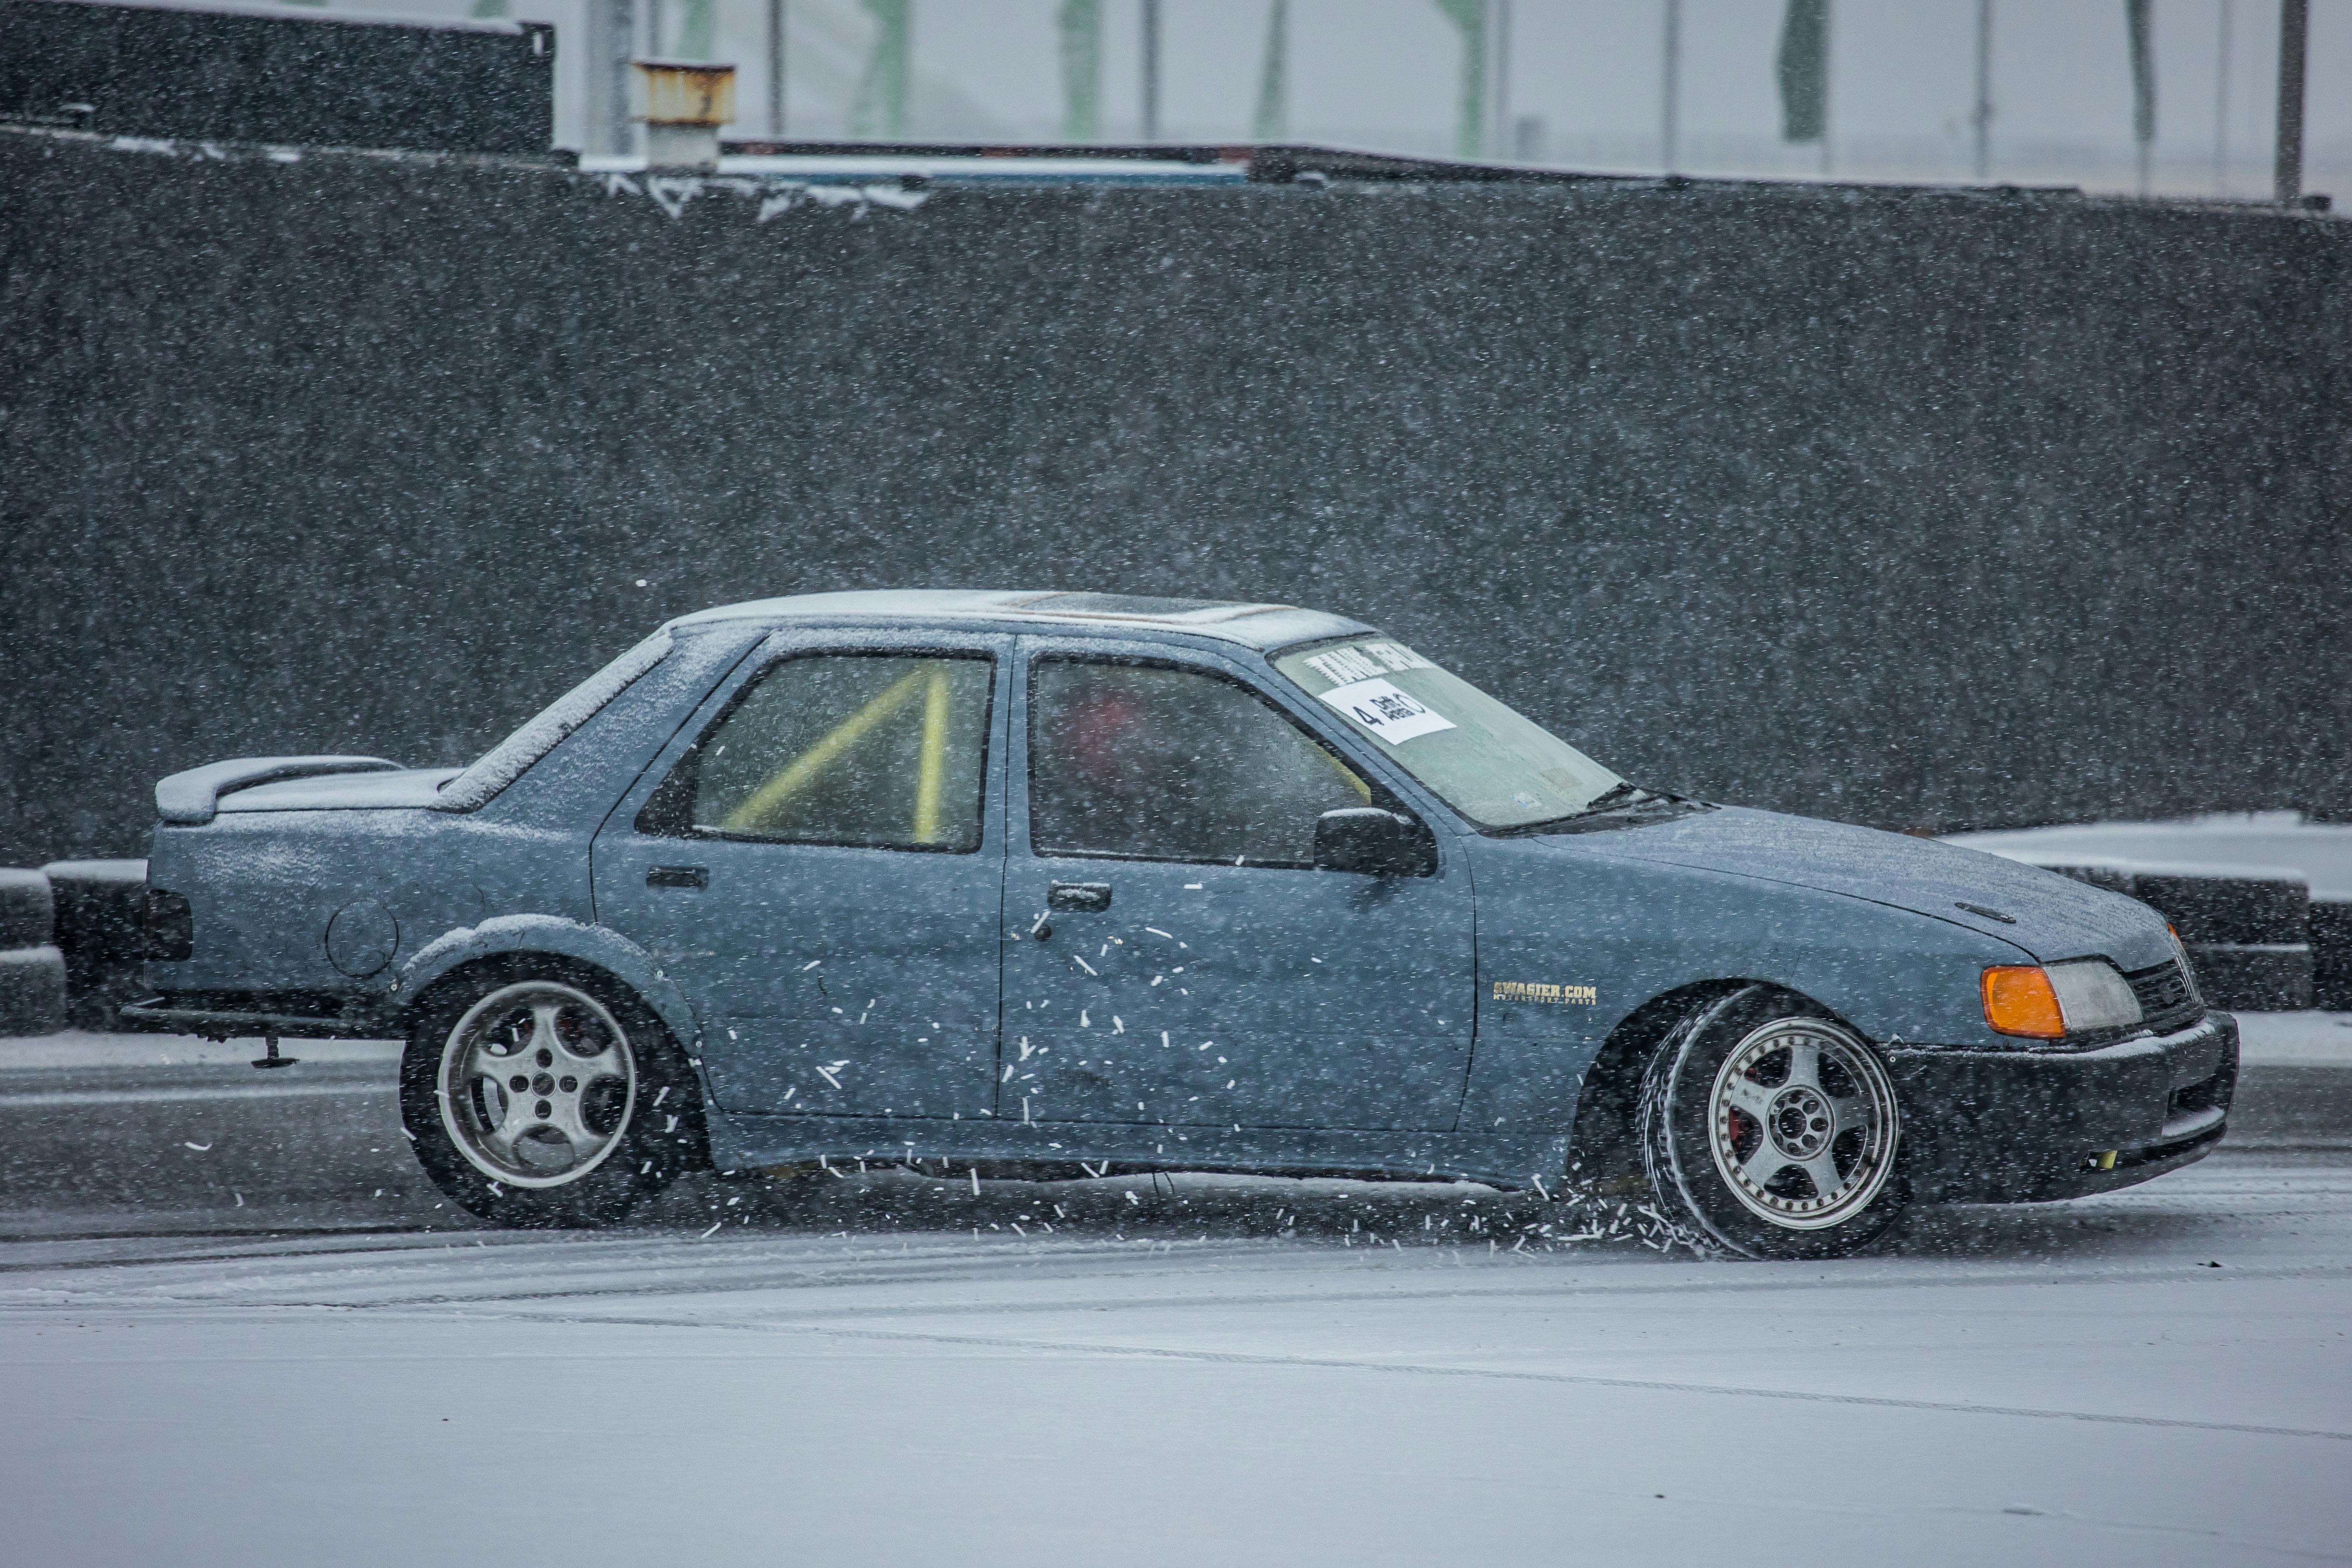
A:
(599, 947)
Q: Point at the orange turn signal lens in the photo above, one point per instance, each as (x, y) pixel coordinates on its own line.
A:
(2019, 999)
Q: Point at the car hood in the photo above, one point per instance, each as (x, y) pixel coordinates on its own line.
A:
(2051, 917)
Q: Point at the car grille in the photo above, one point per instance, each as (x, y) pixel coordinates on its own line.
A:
(2166, 1000)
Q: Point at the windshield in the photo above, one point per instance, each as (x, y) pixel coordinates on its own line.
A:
(1488, 763)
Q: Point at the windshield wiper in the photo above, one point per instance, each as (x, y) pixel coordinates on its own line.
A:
(1618, 792)
(1615, 798)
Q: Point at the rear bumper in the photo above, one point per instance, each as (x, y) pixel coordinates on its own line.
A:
(2002, 1127)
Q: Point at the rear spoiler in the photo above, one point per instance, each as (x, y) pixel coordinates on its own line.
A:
(192, 798)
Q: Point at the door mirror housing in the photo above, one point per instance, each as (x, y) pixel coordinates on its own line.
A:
(1374, 842)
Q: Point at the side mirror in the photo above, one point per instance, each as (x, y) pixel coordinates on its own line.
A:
(1374, 842)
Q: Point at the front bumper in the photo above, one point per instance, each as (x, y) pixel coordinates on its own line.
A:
(2025, 1126)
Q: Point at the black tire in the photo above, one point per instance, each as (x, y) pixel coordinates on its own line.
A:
(27, 909)
(634, 1119)
(2230, 911)
(1732, 1150)
(2331, 955)
(32, 991)
(101, 930)
(2262, 979)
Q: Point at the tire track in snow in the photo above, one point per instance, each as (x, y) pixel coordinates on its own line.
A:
(1575, 1379)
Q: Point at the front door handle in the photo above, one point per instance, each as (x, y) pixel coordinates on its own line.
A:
(1088, 897)
(678, 876)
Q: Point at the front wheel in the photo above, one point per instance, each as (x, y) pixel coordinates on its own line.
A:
(1772, 1129)
(535, 1096)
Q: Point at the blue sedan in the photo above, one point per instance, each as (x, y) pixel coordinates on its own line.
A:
(1078, 880)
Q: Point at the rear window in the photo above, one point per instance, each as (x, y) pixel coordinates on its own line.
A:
(506, 762)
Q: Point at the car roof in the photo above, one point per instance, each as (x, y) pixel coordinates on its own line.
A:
(1258, 626)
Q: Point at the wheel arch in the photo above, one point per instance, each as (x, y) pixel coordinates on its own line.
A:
(1605, 1144)
(597, 948)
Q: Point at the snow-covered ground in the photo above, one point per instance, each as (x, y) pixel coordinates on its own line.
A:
(244, 1333)
(2250, 843)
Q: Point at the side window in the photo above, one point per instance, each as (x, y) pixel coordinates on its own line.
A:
(1150, 763)
(880, 751)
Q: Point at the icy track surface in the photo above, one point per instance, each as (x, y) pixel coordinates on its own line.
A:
(882, 1368)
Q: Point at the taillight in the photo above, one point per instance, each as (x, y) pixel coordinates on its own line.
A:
(170, 924)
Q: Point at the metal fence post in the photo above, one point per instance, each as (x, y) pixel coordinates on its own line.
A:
(2294, 30)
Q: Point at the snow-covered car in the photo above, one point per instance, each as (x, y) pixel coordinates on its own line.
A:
(1088, 880)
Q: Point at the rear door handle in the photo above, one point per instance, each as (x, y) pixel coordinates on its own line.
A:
(678, 876)
(1090, 898)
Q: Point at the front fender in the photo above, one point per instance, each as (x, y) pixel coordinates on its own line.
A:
(1573, 941)
(600, 947)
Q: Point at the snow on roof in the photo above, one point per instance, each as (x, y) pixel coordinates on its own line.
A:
(1257, 625)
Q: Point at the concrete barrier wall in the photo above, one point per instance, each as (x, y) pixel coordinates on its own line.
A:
(301, 78)
(1928, 510)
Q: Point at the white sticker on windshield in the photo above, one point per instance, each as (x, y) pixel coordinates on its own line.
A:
(1365, 660)
(1386, 712)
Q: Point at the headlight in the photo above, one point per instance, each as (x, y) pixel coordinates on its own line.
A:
(2046, 1003)
(2093, 994)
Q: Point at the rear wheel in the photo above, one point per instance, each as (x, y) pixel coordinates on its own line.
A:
(542, 1096)
(1772, 1129)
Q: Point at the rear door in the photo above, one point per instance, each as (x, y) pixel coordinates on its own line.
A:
(1171, 956)
(818, 859)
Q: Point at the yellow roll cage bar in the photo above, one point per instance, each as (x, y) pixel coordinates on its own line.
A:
(931, 681)
(930, 678)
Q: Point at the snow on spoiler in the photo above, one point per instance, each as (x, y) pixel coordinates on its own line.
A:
(194, 797)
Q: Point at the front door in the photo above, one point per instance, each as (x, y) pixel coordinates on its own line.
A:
(1171, 957)
(819, 862)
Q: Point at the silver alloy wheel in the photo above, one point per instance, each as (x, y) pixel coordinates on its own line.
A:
(537, 1082)
(1803, 1125)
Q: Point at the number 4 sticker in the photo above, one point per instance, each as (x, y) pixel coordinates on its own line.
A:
(1388, 713)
